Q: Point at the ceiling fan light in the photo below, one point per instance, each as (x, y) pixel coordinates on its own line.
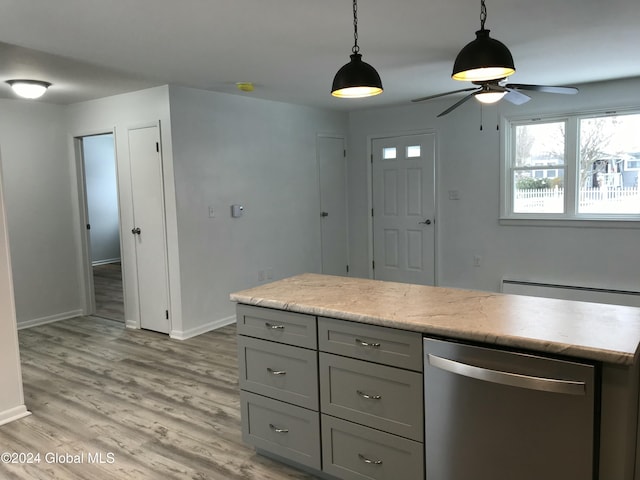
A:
(490, 97)
(484, 58)
(30, 89)
(356, 79)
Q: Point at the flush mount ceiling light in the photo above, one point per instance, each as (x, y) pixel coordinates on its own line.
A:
(483, 59)
(29, 88)
(356, 79)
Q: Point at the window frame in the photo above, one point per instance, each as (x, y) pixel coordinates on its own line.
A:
(570, 217)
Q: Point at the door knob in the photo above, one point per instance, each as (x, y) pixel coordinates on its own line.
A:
(324, 214)
(426, 222)
(136, 231)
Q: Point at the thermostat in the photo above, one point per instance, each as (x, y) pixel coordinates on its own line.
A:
(237, 211)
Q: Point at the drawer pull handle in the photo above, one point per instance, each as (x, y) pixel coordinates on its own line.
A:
(276, 372)
(274, 327)
(370, 462)
(278, 429)
(367, 344)
(368, 397)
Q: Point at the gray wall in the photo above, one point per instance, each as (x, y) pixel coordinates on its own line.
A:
(231, 149)
(39, 188)
(468, 160)
(102, 197)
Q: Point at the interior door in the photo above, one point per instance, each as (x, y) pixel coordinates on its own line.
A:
(403, 190)
(149, 228)
(333, 204)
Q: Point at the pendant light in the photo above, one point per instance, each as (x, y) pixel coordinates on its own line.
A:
(30, 89)
(483, 59)
(356, 79)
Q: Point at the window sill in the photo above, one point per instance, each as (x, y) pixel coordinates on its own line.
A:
(594, 222)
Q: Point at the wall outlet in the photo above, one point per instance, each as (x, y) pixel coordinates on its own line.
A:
(261, 275)
(454, 195)
(477, 260)
(212, 212)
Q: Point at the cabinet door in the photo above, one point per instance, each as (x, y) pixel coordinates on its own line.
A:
(279, 371)
(381, 397)
(389, 346)
(285, 430)
(354, 452)
(276, 325)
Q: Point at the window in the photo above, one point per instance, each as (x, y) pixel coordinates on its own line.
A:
(575, 167)
(389, 153)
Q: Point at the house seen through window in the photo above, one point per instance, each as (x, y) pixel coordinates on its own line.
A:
(582, 167)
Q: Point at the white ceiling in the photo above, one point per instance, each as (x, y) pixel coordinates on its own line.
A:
(291, 49)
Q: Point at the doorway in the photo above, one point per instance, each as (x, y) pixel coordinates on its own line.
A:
(103, 225)
(403, 199)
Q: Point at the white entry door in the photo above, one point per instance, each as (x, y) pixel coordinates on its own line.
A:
(149, 228)
(403, 191)
(333, 204)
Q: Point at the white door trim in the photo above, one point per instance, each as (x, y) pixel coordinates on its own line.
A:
(86, 272)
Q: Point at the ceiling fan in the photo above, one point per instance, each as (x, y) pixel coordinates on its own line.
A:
(491, 91)
(487, 62)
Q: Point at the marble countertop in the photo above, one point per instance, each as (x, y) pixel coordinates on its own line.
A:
(607, 333)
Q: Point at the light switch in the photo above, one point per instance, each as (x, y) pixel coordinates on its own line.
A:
(212, 212)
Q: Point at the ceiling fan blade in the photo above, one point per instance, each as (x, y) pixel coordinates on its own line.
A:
(457, 104)
(516, 97)
(543, 88)
(430, 97)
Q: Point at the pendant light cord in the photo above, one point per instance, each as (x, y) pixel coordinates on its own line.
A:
(356, 48)
(483, 14)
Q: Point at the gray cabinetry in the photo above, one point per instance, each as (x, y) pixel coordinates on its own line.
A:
(278, 370)
(340, 397)
(371, 410)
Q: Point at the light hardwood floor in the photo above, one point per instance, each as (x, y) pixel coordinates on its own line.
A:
(157, 408)
(107, 285)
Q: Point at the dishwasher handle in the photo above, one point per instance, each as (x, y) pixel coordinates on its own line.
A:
(567, 387)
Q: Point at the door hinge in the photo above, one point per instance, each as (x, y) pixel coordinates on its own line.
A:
(373, 264)
(157, 147)
(372, 212)
(347, 268)
(88, 226)
(166, 314)
(344, 153)
(372, 158)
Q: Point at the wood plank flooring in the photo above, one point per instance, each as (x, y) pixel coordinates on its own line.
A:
(152, 407)
(107, 285)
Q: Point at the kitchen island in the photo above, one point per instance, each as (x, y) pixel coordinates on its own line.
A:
(606, 336)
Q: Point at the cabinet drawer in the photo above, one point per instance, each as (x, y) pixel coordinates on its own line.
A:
(354, 452)
(286, 430)
(279, 371)
(276, 325)
(378, 396)
(389, 346)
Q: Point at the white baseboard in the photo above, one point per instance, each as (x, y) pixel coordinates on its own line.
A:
(184, 335)
(14, 413)
(50, 319)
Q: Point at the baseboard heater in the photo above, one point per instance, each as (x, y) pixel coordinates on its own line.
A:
(571, 292)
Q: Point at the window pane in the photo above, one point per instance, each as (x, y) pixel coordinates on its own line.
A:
(389, 153)
(539, 144)
(609, 151)
(538, 191)
(413, 151)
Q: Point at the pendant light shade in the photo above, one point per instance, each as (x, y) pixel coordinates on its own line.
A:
(356, 79)
(483, 59)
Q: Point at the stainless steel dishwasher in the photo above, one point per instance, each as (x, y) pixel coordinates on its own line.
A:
(498, 415)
